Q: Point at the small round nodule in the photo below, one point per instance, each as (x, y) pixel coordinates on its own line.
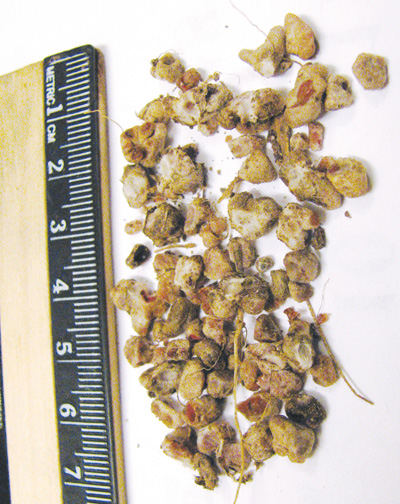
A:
(139, 254)
(264, 263)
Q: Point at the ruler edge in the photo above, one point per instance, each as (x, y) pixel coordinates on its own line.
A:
(112, 338)
(109, 280)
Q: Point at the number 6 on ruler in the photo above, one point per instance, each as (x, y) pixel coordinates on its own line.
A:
(67, 410)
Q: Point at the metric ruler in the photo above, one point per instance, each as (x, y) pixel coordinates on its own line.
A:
(60, 366)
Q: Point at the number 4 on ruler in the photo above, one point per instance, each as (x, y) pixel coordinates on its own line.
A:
(59, 286)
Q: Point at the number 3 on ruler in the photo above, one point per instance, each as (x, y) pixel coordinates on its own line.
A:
(58, 227)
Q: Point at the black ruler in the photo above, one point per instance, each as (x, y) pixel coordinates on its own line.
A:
(77, 279)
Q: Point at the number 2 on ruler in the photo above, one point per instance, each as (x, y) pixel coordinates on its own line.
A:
(51, 167)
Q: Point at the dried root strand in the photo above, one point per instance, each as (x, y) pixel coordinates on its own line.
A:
(238, 332)
(332, 356)
(176, 245)
(229, 190)
(98, 111)
(247, 18)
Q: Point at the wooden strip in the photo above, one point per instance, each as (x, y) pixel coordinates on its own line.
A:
(29, 392)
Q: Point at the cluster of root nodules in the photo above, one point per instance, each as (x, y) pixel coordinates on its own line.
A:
(191, 331)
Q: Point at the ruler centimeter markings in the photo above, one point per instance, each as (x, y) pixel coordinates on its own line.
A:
(77, 283)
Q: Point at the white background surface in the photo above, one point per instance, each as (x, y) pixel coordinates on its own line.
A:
(357, 459)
